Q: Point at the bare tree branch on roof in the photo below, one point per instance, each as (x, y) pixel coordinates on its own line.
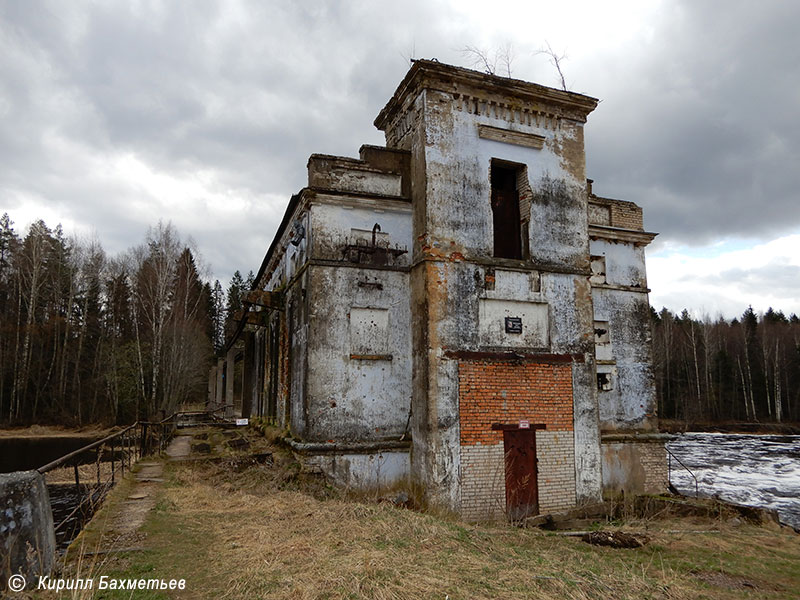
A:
(501, 59)
(555, 60)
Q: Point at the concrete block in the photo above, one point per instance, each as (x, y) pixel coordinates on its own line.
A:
(27, 538)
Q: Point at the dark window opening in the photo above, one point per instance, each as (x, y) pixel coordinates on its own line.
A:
(604, 382)
(505, 213)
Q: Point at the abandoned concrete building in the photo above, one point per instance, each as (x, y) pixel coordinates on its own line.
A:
(458, 308)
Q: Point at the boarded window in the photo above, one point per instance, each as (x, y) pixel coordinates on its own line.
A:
(601, 332)
(506, 222)
(606, 377)
(515, 324)
(369, 331)
(598, 269)
(602, 341)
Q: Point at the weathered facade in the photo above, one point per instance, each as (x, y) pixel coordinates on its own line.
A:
(459, 308)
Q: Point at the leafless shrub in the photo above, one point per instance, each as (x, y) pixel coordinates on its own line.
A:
(555, 60)
(497, 62)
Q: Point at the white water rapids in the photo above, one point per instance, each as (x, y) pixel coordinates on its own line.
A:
(753, 470)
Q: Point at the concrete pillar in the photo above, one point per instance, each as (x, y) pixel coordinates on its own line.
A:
(219, 390)
(249, 367)
(230, 368)
(258, 365)
(27, 538)
(212, 387)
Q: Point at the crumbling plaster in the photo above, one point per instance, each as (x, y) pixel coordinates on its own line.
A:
(351, 398)
(453, 224)
(385, 266)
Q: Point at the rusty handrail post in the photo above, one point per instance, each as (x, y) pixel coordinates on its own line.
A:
(670, 456)
(143, 444)
(64, 460)
(133, 444)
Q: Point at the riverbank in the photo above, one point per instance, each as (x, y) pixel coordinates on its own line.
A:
(31, 447)
(236, 529)
(678, 426)
(55, 431)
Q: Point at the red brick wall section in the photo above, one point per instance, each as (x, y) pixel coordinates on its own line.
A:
(507, 392)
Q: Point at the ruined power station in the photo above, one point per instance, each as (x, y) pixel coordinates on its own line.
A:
(458, 308)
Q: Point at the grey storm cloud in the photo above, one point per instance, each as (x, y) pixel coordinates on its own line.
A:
(702, 128)
(778, 278)
(244, 91)
(698, 120)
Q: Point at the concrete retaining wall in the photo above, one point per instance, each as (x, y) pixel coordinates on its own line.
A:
(632, 467)
(27, 539)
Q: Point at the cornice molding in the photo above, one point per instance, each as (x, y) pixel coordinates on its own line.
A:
(617, 234)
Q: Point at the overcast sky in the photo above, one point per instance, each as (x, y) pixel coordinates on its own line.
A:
(115, 114)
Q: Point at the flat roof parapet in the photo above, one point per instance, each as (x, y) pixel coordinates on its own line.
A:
(431, 74)
(379, 171)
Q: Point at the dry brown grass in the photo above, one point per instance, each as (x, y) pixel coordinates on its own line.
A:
(274, 532)
(87, 473)
(261, 533)
(90, 431)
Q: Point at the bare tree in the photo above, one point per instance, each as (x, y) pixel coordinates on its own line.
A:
(155, 277)
(506, 58)
(187, 354)
(497, 62)
(555, 60)
(410, 56)
(32, 272)
(83, 338)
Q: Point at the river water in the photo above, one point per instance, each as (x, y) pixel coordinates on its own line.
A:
(753, 470)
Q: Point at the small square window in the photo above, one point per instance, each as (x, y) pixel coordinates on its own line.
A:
(602, 341)
(604, 383)
(601, 335)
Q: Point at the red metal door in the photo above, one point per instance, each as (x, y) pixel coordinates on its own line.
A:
(522, 491)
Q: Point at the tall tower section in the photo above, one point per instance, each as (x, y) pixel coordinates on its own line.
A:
(504, 386)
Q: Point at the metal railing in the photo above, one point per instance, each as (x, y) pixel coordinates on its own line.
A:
(116, 452)
(670, 456)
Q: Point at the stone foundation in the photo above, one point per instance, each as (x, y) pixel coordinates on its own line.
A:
(634, 464)
(365, 466)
